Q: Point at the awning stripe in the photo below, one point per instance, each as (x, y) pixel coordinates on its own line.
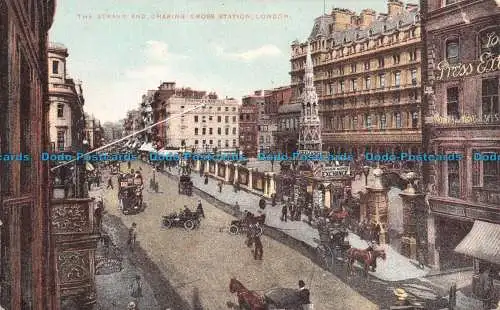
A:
(482, 242)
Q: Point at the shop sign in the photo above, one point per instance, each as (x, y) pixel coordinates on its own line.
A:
(330, 172)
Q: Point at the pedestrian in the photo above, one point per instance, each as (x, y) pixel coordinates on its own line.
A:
(98, 178)
(99, 208)
(110, 183)
(220, 186)
(421, 256)
(273, 202)
(136, 287)
(206, 179)
(132, 236)
(262, 203)
(452, 300)
(304, 294)
(129, 165)
(284, 211)
(486, 285)
(292, 212)
(376, 233)
(199, 209)
(258, 250)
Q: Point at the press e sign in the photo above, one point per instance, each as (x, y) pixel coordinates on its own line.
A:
(488, 62)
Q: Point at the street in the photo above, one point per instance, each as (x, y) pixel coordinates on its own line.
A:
(200, 263)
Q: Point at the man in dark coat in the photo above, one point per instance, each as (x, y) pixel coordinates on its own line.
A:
(262, 203)
(304, 293)
(258, 251)
(199, 209)
(284, 211)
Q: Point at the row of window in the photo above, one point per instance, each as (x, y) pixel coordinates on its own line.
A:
(210, 118)
(366, 84)
(367, 99)
(218, 108)
(210, 131)
(490, 104)
(370, 121)
(452, 46)
(219, 142)
(289, 123)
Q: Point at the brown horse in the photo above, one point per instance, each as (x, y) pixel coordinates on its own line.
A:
(247, 300)
(366, 257)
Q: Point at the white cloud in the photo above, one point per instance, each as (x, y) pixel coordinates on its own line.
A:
(157, 51)
(263, 51)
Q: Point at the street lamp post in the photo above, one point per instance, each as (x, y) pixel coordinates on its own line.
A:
(366, 171)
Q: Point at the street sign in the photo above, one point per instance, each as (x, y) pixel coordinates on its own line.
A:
(331, 172)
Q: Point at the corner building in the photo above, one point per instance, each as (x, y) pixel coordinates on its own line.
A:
(462, 117)
(27, 265)
(367, 76)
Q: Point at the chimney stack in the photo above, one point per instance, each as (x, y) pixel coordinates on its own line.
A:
(367, 17)
(342, 18)
(394, 7)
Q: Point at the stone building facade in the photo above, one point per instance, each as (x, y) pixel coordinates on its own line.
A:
(462, 116)
(367, 76)
(248, 138)
(66, 117)
(27, 262)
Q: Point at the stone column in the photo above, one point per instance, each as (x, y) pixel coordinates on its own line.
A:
(236, 176)
(250, 179)
(378, 204)
(265, 185)
(327, 203)
(227, 173)
(207, 167)
(216, 173)
(433, 252)
(272, 184)
(410, 237)
(198, 165)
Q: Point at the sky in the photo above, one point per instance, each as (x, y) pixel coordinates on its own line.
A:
(121, 48)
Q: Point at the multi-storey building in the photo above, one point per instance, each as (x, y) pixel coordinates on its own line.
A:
(66, 118)
(147, 114)
(462, 116)
(278, 97)
(27, 260)
(209, 128)
(367, 76)
(249, 113)
(93, 132)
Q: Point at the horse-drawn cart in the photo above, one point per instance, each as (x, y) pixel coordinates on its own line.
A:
(332, 242)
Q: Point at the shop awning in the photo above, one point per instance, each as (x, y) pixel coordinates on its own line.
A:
(147, 147)
(89, 167)
(164, 152)
(482, 242)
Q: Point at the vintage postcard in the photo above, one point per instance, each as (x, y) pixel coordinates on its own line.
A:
(249, 154)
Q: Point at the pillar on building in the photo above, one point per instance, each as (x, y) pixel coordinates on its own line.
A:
(198, 165)
(378, 204)
(216, 173)
(227, 172)
(236, 176)
(411, 200)
(207, 167)
(250, 178)
(272, 184)
(327, 203)
(432, 251)
(265, 185)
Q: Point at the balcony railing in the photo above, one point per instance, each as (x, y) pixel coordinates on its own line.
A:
(486, 196)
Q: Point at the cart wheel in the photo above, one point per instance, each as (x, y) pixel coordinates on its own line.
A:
(167, 223)
(189, 225)
(233, 229)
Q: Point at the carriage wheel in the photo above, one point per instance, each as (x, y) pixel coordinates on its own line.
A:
(167, 223)
(233, 229)
(189, 225)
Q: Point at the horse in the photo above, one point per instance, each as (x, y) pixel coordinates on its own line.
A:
(366, 257)
(247, 300)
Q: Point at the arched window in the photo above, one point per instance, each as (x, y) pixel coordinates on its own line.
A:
(452, 51)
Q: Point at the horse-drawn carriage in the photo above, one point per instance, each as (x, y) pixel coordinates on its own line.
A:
(332, 242)
(185, 185)
(130, 193)
(273, 299)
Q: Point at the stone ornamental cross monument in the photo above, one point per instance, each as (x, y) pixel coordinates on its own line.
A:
(310, 125)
